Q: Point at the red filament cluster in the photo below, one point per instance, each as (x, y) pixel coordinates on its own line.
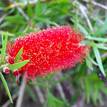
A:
(49, 50)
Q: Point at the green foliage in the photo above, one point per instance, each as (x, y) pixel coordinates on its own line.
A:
(18, 56)
(3, 49)
(18, 65)
(98, 58)
(52, 101)
(11, 66)
(2, 61)
(6, 87)
(52, 12)
(101, 29)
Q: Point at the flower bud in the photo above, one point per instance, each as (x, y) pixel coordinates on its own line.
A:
(10, 60)
(6, 70)
(16, 73)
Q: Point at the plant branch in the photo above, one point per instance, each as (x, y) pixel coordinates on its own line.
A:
(40, 94)
(21, 92)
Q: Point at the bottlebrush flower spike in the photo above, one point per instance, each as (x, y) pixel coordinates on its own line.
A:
(49, 50)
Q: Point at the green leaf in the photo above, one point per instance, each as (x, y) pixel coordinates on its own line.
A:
(101, 29)
(89, 64)
(88, 36)
(91, 60)
(101, 46)
(30, 10)
(98, 58)
(15, 19)
(39, 8)
(96, 38)
(6, 33)
(82, 29)
(87, 90)
(4, 43)
(18, 65)
(54, 102)
(18, 56)
(95, 95)
(6, 87)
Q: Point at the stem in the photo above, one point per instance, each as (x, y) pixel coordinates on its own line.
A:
(40, 94)
(21, 92)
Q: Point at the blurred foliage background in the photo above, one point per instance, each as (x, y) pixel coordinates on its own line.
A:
(83, 86)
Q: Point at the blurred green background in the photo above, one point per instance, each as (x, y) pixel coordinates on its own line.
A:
(76, 87)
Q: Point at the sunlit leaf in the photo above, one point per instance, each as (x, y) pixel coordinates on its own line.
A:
(18, 56)
(54, 102)
(98, 58)
(18, 65)
(3, 49)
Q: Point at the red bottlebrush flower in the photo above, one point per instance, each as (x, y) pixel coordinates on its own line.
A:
(49, 50)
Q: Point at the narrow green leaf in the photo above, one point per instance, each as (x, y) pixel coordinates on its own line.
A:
(87, 90)
(95, 94)
(92, 60)
(18, 56)
(6, 33)
(100, 99)
(54, 102)
(38, 9)
(89, 64)
(101, 29)
(96, 38)
(82, 29)
(4, 43)
(98, 58)
(30, 10)
(6, 87)
(101, 46)
(18, 65)
(88, 36)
